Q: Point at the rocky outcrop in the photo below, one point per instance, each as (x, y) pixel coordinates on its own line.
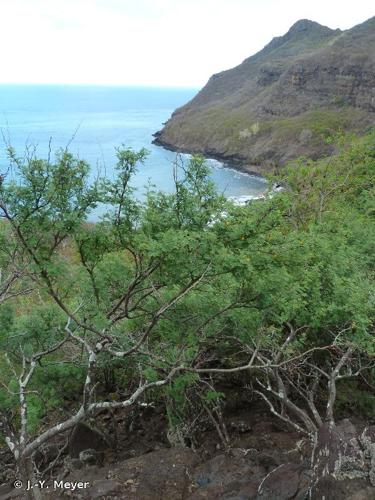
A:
(342, 467)
(263, 461)
(283, 102)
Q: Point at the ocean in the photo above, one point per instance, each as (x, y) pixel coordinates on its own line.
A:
(95, 120)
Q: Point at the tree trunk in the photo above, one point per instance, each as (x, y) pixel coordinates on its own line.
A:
(27, 476)
(340, 453)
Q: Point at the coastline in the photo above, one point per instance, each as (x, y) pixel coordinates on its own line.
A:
(232, 162)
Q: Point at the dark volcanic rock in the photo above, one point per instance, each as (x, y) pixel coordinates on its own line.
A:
(83, 438)
(350, 489)
(284, 101)
(160, 475)
(284, 483)
(103, 488)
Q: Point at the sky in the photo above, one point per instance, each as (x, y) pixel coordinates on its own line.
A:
(173, 43)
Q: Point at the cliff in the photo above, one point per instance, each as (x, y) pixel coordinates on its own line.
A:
(283, 102)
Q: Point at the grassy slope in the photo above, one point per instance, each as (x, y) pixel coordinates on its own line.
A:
(285, 101)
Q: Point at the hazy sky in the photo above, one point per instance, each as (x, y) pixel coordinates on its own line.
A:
(149, 42)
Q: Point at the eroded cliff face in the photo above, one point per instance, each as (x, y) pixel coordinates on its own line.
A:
(283, 102)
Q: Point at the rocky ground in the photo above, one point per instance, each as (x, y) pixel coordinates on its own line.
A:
(134, 455)
(263, 460)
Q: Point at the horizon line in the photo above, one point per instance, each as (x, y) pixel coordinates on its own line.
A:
(117, 85)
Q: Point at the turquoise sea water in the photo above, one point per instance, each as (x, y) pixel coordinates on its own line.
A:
(100, 119)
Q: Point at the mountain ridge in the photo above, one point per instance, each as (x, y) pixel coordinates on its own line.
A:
(284, 101)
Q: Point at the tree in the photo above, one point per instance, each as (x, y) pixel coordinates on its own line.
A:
(104, 289)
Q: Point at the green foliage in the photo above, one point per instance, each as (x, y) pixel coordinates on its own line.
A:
(303, 257)
(211, 396)
(352, 398)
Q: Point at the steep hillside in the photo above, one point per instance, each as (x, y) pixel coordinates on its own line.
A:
(283, 102)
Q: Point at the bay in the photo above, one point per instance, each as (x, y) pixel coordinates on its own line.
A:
(94, 120)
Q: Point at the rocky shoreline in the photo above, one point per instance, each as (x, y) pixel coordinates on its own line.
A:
(231, 161)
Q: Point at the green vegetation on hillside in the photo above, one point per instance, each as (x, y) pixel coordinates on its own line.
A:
(284, 101)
